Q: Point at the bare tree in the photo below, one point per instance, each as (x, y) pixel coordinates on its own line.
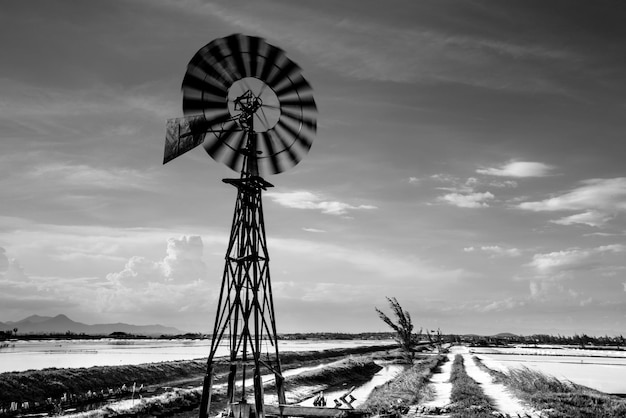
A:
(403, 327)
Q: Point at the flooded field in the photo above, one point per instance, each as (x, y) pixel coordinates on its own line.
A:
(598, 369)
(26, 355)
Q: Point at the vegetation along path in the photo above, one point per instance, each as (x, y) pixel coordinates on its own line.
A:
(503, 401)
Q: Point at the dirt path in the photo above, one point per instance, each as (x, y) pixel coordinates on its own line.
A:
(505, 402)
(440, 383)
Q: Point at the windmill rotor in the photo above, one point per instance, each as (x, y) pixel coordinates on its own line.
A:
(247, 100)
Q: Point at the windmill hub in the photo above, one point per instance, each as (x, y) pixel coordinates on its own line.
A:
(250, 100)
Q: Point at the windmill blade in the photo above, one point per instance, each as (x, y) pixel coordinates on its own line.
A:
(270, 61)
(288, 70)
(235, 153)
(298, 86)
(296, 133)
(287, 148)
(305, 103)
(254, 46)
(205, 64)
(194, 105)
(215, 145)
(307, 121)
(268, 143)
(234, 44)
(199, 84)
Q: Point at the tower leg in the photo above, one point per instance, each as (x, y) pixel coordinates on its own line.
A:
(258, 393)
(232, 374)
(205, 403)
(280, 389)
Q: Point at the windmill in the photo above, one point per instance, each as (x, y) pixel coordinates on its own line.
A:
(250, 108)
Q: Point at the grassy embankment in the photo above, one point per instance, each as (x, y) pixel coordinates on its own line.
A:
(408, 388)
(184, 402)
(467, 399)
(35, 386)
(558, 399)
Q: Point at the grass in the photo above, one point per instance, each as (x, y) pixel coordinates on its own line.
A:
(467, 398)
(37, 385)
(408, 388)
(184, 402)
(556, 398)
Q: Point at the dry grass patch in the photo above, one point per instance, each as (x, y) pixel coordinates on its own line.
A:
(556, 398)
(406, 389)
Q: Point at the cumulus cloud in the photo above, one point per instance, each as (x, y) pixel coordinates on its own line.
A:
(469, 200)
(518, 169)
(310, 200)
(174, 282)
(599, 199)
(182, 262)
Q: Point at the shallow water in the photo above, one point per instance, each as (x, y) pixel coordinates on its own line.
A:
(606, 374)
(41, 354)
(361, 393)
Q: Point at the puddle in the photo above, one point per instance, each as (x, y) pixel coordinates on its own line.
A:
(360, 393)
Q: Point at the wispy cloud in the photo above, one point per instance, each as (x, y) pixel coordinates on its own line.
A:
(599, 199)
(314, 230)
(495, 250)
(82, 175)
(310, 200)
(558, 262)
(518, 169)
(364, 48)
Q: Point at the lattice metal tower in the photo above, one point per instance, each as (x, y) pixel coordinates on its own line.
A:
(260, 114)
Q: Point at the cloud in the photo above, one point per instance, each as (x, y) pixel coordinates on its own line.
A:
(315, 230)
(471, 200)
(381, 264)
(414, 180)
(518, 169)
(81, 175)
(182, 262)
(174, 283)
(558, 262)
(309, 200)
(4, 261)
(10, 268)
(591, 218)
(502, 305)
(496, 250)
(600, 199)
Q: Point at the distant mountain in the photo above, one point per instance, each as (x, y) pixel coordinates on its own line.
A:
(505, 335)
(36, 324)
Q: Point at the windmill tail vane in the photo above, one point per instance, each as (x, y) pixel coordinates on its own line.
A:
(250, 108)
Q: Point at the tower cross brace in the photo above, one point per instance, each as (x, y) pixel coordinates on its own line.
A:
(245, 312)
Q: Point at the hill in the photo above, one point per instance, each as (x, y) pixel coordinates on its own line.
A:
(61, 324)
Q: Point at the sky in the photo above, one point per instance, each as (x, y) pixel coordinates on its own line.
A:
(469, 161)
